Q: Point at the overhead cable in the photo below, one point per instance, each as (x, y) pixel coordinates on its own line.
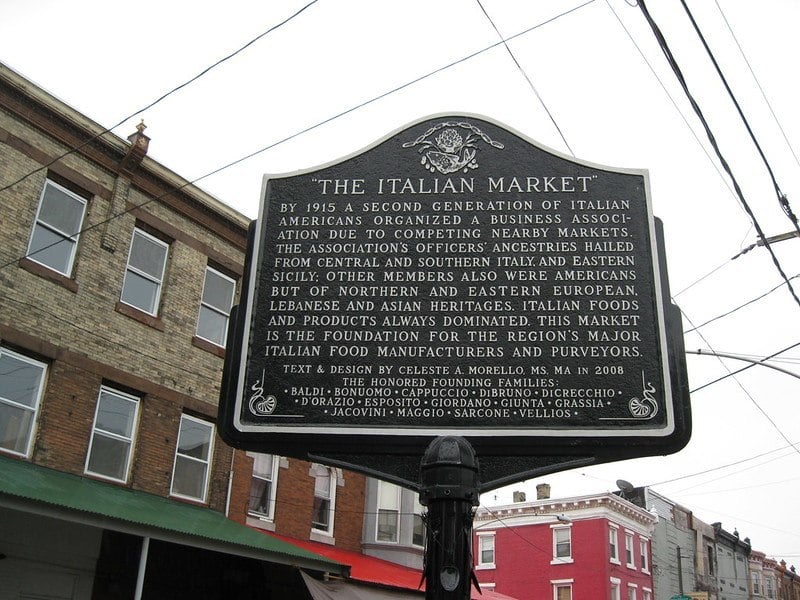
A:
(783, 201)
(307, 129)
(528, 79)
(662, 42)
(758, 84)
(160, 98)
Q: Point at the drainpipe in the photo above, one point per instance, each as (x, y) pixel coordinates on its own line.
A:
(142, 567)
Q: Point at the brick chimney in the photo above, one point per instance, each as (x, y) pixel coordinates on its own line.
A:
(543, 491)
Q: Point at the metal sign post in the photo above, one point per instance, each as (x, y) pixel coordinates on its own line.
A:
(449, 489)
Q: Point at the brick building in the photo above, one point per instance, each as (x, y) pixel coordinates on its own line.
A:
(594, 546)
(116, 281)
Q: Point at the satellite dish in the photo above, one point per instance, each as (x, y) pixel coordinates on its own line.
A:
(625, 486)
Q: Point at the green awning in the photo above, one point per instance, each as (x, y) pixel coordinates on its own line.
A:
(32, 488)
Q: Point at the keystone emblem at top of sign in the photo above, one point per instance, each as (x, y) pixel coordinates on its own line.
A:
(445, 148)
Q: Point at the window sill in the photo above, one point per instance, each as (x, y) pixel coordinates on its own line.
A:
(322, 537)
(562, 561)
(260, 523)
(486, 567)
(138, 315)
(614, 561)
(45, 272)
(631, 567)
(208, 346)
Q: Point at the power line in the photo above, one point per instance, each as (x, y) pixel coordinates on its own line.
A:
(671, 99)
(741, 306)
(305, 130)
(528, 79)
(160, 98)
(662, 42)
(783, 201)
(758, 84)
(750, 366)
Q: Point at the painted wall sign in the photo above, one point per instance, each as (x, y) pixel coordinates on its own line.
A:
(454, 278)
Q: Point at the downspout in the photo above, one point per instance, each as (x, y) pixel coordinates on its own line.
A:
(142, 568)
(230, 486)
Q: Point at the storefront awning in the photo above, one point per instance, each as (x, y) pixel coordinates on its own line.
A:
(31, 488)
(370, 578)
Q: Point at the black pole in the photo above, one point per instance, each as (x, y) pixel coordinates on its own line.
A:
(449, 489)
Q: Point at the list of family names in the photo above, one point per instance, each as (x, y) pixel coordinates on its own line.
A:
(456, 289)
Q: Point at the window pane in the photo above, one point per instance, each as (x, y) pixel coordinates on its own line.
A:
(564, 593)
(20, 381)
(321, 513)
(109, 457)
(486, 549)
(262, 465)
(51, 249)
(140, 292)
(418, 536)
(61, 211)
(387, 525)
(563, 543)
(260, 496)
(212, 326)
(115, 414)
(189, 478)
(15, 428)
(218, 291)
(148, 255)
(194, 439)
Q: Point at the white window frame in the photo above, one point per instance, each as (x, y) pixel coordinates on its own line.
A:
(206, 461)
(613, 543)
(561, 584)
(647, 594)
(616, 592)
(273, 490)
(131, 269)
(72, 238)
(486, 542)
(332, 483)
(561, 560)
(632, 588)
(388, 492)
(34, 410)
(644, 554)
(215, 309)
(130, 441)
(630, 557)
(419, 510)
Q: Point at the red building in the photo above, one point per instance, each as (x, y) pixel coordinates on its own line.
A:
(594, 547)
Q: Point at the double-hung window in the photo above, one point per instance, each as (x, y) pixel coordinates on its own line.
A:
(629, 550)
(263, 486)
(144, 274)
(613, 543)
(112, 440)
(324, 499)
(54, 239)
(215, 307)
(486, 549)
(388, 527)
(562, 544)
(21, 388)
(644, 555)
(562, 590)
(192, 459)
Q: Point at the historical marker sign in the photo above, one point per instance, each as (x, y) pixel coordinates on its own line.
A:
(454, 278)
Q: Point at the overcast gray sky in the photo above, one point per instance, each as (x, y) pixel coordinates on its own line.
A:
(590, 81)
